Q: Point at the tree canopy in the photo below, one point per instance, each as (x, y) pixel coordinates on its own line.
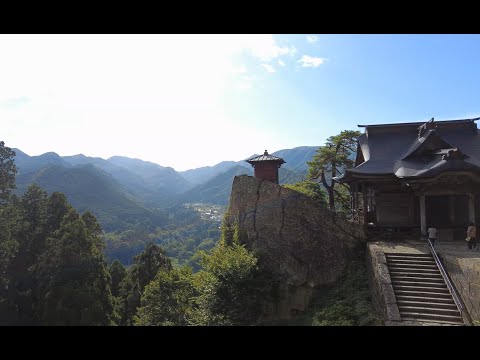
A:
(332, 159)
(8, 170)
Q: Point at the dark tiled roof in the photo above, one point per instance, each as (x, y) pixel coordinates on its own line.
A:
(410, 150)
(265, 157)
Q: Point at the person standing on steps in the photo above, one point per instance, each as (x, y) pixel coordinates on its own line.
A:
(432, 235)
(472, 234)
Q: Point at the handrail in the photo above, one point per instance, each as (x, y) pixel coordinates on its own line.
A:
(454, 293)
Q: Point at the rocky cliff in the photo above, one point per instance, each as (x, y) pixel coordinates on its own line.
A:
(302, 243)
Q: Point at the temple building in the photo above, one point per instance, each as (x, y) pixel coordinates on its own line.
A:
(266, 166)
(410, 176)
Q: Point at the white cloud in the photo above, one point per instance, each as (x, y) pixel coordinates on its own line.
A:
(265, 48)
(134, 95)
(281, 63)
(310, 61)
(312, 39)
(269, 68)
(14, 103)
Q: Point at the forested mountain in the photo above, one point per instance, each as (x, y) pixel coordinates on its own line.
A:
(26, 163)
(89, 188)
(203, 174)
(296, 158)
(296, 161)
(152, 174)
(151, 184)
(217, 189)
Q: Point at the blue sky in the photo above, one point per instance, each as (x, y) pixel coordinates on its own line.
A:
(194, 100)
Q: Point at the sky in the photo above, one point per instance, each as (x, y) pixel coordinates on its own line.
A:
(188, 101)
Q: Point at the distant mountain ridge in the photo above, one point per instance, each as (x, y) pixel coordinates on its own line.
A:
(296, 160)
(119, 190)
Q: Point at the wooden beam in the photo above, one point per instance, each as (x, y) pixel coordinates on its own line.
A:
(471, 207)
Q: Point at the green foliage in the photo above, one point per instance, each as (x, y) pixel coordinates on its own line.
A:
(185, 234)
(228, 231)
(348, 303)
(342, 200)
(90, 189)
(331, 160)
(57, 208)
(139, 275)
(8, 170)
(73, 281)
(117, 274)
(311, 189)
(31, 234)
(229, 293)
(9, 221)
(335, 315)
(167, 300)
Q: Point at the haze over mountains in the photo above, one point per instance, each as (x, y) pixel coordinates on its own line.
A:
(120, 189)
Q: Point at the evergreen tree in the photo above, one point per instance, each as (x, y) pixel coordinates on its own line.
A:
(31, 235)
(117, 274)
(9, 220)
(332, 159)
(8, 170)
(311, 189)
(57, 208)
(74, 284)
(141, 273)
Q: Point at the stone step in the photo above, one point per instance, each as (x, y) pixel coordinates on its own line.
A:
(425, 294)
(441, 322)
(397, 269)
(408, 262)
(412, 266)
(437, 285)
(428, 310)
(421, 289)
(415, 316)
(437, 300)
(409, 258)
(415, 277)
(429, 304)
(392, 255)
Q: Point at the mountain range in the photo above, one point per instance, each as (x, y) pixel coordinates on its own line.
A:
(122, 191)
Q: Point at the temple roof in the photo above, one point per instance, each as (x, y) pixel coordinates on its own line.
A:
(265, 157)
(415, 150)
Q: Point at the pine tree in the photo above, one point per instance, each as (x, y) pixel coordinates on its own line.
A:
(331, 160)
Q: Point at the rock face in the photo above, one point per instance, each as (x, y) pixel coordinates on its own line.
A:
(302, 243)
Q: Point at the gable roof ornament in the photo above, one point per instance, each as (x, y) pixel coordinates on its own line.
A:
(454, 154)
(429, 125)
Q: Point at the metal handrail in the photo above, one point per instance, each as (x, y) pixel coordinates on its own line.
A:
(450, 286)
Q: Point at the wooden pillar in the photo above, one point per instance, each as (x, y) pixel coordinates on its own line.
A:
(451, 209)
(471, 207)
(423, 217)
(364, 199)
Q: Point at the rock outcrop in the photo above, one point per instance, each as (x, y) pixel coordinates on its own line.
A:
(302, 243)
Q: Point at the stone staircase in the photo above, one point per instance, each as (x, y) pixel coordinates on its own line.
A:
(420, 291)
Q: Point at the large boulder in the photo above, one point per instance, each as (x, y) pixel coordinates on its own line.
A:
(302, 243)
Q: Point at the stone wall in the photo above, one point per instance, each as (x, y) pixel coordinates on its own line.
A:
(302, 243)
(383, 296)
(465, 275)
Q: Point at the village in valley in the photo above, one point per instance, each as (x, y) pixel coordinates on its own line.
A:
(208, 211)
